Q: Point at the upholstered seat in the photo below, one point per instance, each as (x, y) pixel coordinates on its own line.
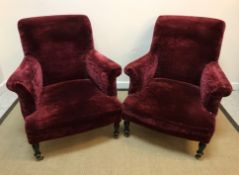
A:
(64, 108)
(158, 105)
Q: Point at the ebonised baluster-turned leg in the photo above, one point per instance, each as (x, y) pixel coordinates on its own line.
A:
(200, 150)
(116, 130)
(126, 128)
(37, 153)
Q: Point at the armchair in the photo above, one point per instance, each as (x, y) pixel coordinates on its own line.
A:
(64, 85)
(176, 88)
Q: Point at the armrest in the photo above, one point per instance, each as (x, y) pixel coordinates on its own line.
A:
(141, 71)
(103, 72)
(26, 81)
(214, 85)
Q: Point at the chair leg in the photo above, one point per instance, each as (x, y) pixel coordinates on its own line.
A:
(37, 153)
(116, 130)
(126, 128)
(201, 147)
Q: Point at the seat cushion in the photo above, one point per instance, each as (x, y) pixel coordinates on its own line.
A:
(171, 106)
(71, 105)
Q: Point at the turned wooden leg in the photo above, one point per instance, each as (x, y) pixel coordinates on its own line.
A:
(37, 153)
(116, 130)
(200, 150)
(126, 128)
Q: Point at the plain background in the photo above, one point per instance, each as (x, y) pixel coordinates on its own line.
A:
(122, 28)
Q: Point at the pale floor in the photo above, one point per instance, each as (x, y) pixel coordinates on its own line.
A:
(145, 152)
(231, 105)
(7, 98)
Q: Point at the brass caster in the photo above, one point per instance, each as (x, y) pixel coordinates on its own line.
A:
(39, 157)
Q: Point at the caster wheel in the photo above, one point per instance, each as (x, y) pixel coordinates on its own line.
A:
(39, 157)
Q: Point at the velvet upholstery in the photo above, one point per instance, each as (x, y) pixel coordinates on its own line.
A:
(58, 41)
(64, 85)
(177, 86)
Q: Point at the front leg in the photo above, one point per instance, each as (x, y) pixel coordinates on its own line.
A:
(37, 153)
(116, 130)
(200, 150)
(126, 128)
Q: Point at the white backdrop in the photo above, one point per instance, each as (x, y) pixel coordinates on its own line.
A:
(122, 28)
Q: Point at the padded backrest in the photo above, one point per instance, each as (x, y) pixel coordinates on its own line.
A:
(184, 45)
(59, 43)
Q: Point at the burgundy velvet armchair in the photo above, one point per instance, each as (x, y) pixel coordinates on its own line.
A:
(177, 86)
(64, 85)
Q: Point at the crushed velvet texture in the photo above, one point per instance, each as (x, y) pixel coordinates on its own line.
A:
(164, 103)
(214, 86)
(64, 85)
(80, 108)
(102, 71)
(184, 45)
(176, 88)
(141, 71)
(27, 83)
(59, 43)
